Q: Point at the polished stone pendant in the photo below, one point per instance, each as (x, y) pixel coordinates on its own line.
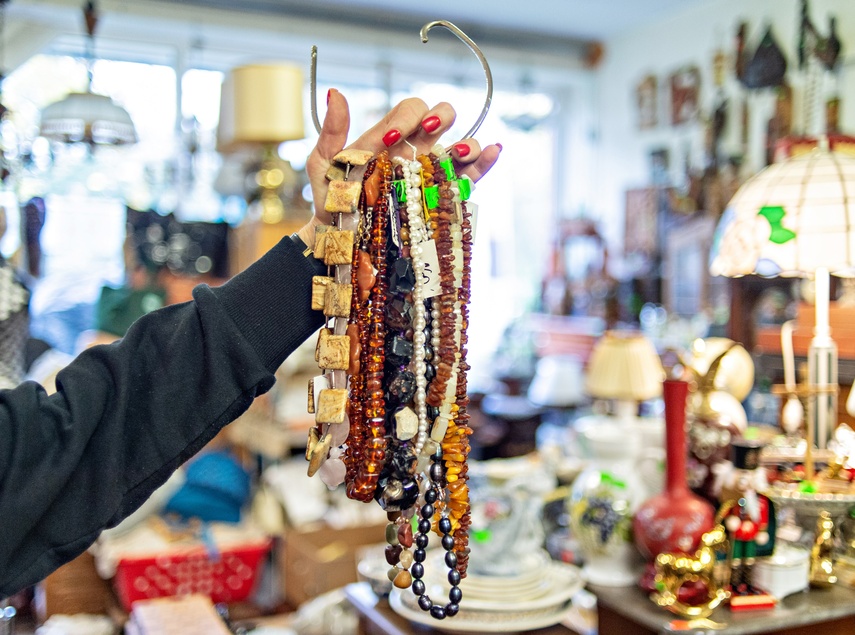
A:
(353, 156)
(338, 247)
(337, 300)
(334, 352)
(343, 197)
(332, 406)
(318, 454)
(319, 291)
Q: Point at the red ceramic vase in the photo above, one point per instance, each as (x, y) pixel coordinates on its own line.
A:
(676, 519)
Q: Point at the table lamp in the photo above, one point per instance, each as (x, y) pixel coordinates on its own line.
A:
(795, 218)
(260, 107)
(625, 369)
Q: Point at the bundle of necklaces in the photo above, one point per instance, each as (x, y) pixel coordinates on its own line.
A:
(390, 406)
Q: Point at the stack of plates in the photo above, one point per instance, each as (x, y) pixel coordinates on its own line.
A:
(538, 597)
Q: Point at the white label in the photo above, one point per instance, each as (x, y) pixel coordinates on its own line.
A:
(394, 221)
(473, 220)
(430, 277)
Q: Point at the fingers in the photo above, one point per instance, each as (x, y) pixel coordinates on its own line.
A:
(399, 124)
(476, 162)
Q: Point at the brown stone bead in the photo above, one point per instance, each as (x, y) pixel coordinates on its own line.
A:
(365, 277)
(371, 187)
(405, 535)
(403, 580)
(393, 554)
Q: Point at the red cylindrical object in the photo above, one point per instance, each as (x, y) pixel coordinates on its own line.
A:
(674, 520)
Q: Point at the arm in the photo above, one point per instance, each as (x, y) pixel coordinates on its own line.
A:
(126, 415)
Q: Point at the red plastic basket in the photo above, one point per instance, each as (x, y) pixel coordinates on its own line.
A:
(229, 578)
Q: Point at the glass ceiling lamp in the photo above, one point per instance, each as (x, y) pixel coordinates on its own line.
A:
(797, 218)
(88, 117)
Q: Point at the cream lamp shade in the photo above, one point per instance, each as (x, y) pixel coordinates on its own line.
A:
(624, 366)
(261, 104)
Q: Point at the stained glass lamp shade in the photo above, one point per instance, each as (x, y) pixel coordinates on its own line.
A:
(796, 218)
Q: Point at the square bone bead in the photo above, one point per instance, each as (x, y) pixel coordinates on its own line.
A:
(319, 291)
(310, 405)
(320, 235)
(323, 334)
(338, 247)
(332, 404)
(343, 197)
(336, 172)
(337, 300)
(334, 352)
(353, 156)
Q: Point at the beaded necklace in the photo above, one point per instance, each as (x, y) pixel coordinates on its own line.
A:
(406, 394)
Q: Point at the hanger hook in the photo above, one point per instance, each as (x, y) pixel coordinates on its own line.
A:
(474, 48)
(313, 81)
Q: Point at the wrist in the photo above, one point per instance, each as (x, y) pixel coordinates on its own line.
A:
(307, 232)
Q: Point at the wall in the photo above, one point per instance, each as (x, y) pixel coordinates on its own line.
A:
(692, 37)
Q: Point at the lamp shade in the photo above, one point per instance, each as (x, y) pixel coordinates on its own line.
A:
(87, 117)
(790, 219)
(260, 104)
(624, 366)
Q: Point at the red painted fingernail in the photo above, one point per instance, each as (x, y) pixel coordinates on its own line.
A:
(462, 149)
(431, 123)
(329, 92)
(391, 137)
(499, 146)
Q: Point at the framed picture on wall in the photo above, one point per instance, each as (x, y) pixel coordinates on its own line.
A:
(686, 280)
(641, 215)
(647, 102)
(685, 87)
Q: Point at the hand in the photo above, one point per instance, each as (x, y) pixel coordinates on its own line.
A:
(762, 538)
(410, 120)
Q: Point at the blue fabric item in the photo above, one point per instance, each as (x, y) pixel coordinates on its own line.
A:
(216, 489)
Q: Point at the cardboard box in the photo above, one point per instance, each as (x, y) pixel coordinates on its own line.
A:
(74, 588)
(319, 558)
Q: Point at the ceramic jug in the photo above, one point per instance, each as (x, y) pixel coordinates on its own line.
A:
(604, 498)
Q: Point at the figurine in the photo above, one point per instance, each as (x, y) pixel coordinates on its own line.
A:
(746, 514)
(821, 561)
(673, 570)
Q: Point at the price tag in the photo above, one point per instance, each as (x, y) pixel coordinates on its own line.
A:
(430, 277)
(395, 221)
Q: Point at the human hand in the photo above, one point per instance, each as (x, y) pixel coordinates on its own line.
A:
(412, 121)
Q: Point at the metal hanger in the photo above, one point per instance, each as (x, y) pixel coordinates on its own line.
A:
(424, 35)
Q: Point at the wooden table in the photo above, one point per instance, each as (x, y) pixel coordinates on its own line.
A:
(827, 611)
(377, 618)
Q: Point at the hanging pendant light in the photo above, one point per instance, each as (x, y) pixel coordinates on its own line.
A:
(88, 117)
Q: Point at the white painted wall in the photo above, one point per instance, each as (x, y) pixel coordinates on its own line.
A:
(691, 37)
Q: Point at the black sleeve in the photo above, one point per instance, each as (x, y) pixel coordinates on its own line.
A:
(126, 415)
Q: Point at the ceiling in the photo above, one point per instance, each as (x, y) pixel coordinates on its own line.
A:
(567, 19)
(351, 33)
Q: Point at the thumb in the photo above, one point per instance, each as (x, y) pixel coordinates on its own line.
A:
(336, 126)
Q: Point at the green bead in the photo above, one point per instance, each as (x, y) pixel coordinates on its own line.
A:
(400, 190)
(465, 186)
(447, 165)
(431, 196)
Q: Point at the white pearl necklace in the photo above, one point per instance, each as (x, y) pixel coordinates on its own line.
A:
(418, 235)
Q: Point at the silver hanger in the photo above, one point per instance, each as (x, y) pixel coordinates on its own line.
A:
(424, 35)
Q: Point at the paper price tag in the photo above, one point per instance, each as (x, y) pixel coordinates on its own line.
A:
(430, 277)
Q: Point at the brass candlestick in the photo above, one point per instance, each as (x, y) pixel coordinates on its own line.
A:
(804, 393)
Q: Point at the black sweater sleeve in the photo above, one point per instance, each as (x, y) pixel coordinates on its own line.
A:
(126, 415)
